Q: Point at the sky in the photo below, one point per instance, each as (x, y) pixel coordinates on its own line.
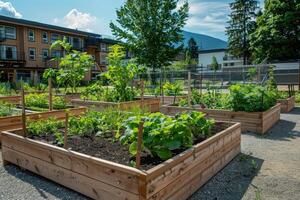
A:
(205, 16)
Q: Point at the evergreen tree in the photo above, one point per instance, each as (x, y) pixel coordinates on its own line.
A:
(214, 63)
(241, 25)
(193, 48)
(151, 30)
(277, 36)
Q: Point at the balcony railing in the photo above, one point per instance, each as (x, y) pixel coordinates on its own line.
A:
(7, 55)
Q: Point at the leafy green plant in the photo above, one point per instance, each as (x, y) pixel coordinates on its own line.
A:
(34, 100)
(47, 129)
(163, 134)
(120, 74)
(93, 92)
(172, 89)
(73, 65)
(251, 98)
(7, 109)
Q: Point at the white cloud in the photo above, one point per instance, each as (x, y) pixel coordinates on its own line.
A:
(209, 17)
(7, 9)
(77, 20)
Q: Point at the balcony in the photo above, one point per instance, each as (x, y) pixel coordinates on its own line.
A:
(12, 56)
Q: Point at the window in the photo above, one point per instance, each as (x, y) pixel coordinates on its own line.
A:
(103, 47)
(56, 54)
(31, 35)
(8, 52)
(103, 59)
(54, 37)
(8, 32)
(45, 37)
(31, 53)
(45, 54)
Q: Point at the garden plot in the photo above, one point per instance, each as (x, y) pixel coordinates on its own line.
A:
(251, 105)
(174, 158)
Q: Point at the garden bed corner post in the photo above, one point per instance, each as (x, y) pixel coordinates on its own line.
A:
(189, 89)
(50, 94)
(66, 131)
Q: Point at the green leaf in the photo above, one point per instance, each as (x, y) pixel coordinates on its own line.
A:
(164, 154)
(133, 148)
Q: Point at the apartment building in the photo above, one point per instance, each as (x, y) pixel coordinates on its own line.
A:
(25, 48)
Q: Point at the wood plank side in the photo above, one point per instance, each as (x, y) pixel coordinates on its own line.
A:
(110, 173)
(167, 172)
(11, 99)
(254, 122)
(214, 161)
(80, 183)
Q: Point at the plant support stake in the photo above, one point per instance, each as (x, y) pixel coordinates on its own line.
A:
(139, 145)
(66, 131)
(23, 113)
(50, 94)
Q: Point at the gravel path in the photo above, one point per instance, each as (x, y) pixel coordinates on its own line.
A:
(268, 168)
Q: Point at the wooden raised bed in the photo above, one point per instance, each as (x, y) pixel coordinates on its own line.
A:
(11, 99)
(167, 99)
(258, 122)
(151, 104)
(176, 178)
(287, 104)
(15, 122)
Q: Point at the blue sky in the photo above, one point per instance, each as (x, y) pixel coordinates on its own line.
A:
(205, 16)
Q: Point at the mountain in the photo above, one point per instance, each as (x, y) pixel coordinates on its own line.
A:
(204, 42)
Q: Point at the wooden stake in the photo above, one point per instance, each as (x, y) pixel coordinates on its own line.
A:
(139, 145)
(189, 89)
(142, 95)
(23, 113)
(50, 94)
(299, 77)
(66, 131)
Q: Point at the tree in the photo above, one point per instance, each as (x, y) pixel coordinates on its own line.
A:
(120, 74)
(152, 30)
(241, 25)
(214, 63)
(193, 48)
(73, 65)
(277, 36)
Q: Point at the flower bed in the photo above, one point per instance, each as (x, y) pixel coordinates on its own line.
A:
(15, 122)
(287, 104)
(176, 178)
(151, 104)
(258, 122)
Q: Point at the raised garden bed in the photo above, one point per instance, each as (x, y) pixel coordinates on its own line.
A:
(15, 122)
(167, 99)
(287, 104)
(258, 122)
(150, 104)
(11, 99)
(176, 178)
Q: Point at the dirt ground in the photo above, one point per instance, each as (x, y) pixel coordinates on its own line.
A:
(268, 168)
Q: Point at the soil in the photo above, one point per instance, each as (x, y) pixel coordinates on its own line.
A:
(110, 149)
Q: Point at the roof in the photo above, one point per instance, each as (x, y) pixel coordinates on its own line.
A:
(46, 26)
(212, 51)
(204, 42)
